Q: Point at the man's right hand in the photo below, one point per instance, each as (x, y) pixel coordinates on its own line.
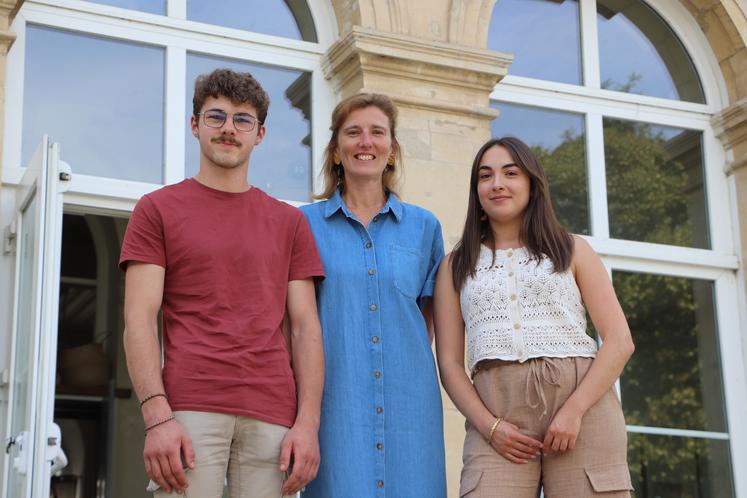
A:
(166, 447)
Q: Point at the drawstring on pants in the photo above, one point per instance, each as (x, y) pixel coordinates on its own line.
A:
(541, 369)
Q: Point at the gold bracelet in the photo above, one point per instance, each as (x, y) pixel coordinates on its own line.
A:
(492, 429)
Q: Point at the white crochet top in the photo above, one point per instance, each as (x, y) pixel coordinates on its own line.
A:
(517, 308)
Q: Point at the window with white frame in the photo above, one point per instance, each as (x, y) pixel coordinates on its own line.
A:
(112, 81)
(618, 110)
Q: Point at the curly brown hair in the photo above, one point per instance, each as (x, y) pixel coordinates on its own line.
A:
(240, 88)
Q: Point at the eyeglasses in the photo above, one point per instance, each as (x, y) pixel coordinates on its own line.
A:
(242, 121)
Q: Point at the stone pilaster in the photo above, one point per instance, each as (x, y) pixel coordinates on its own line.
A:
(730, 126)
(8, 9)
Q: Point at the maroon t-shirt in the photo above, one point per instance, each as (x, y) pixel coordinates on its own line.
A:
(228, 260)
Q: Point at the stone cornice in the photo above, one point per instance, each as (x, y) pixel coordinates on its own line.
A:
(9, 8)
(730, 125)
(6, 40)
(430, 65)
(733, 166)
(423, 59)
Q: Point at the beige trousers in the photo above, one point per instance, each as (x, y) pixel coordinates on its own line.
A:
(244, 449)
(528, 395)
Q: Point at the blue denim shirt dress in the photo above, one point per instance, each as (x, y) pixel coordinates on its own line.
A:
(381, 431)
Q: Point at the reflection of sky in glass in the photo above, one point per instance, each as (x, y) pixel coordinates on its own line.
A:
(558, 140)
(152, 6)
(535, 126)
(271, 17)
(639, 53)
(101, 99)
(281, 164)
(625, 51)
(543, 35)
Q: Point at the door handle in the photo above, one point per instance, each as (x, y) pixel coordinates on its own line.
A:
(54, 453)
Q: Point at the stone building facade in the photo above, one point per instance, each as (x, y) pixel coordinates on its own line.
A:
(460, 71)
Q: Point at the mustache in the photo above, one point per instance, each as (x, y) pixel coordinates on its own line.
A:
(226, 138)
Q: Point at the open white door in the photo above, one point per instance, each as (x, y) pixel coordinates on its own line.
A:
(34, 444)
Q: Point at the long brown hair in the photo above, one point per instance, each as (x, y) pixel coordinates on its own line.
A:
(541, 231)
(333, 176)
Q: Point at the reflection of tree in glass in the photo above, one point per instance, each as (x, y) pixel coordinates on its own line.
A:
(646, 190)
(566, 175)
(626, 87)
(662, 383)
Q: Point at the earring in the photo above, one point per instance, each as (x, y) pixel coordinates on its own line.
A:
(390, 162)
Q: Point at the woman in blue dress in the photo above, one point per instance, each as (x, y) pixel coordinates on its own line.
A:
(381, 432)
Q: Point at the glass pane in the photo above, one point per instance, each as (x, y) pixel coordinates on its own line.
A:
(102, 99)
(676, 337)
(543, 35)
(678, 467)
(281, 164)
(655, 184)
(289, 19)
(20, 412)
(559, 141)
(152, 6)
(652, 62)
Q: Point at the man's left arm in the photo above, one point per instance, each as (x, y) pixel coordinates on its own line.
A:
(301, 443)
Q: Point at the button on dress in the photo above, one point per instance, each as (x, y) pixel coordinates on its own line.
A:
(381, 432)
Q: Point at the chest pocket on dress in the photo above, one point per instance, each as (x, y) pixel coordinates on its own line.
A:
(406, 270)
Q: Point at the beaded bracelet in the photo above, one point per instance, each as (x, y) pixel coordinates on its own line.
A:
(151, 396)
(162, 421)
(495, 426)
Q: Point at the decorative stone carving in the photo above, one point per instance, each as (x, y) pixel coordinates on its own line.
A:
(417, 72)
(730, 126)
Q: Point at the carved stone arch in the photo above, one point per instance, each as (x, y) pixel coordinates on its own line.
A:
(389, 16)
(469, 21)
(724, 24)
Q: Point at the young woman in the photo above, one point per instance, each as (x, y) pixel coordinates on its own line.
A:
(541, 408)
(381, 432)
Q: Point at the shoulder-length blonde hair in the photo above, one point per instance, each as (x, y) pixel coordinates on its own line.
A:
(333, 175)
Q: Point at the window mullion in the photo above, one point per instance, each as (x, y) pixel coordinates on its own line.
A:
(589, 43)
(176, 9)
(732, 348)
(176, 70)
(596, 176)
(717, 189)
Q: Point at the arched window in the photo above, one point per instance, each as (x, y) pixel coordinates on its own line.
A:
(618, 109)
(112, 81)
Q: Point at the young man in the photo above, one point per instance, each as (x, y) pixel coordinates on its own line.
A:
(224, 262)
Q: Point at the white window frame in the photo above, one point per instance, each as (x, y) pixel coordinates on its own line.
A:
(719, 264)
(177, 36)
